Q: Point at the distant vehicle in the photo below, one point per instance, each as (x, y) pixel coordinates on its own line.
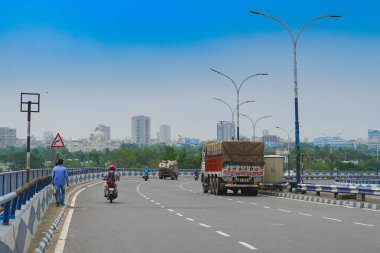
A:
(291, 173)
(168, 168)
(234, 165)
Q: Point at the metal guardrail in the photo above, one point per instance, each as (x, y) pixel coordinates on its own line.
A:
(334, 175)
(342, 189)
(13, 201)
(359, 182)
(10, 181)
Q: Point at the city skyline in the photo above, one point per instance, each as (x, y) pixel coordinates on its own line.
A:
(123, 59)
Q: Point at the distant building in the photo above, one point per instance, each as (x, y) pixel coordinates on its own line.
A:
(188, 142)
(272, 141)
(141, 130)
(7, 137)
(225, 130)
(47, 137)
(163, 135)
(106, 130)
(335, 142)
(373, 139)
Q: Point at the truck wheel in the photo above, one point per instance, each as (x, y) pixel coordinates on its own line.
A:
(161, 177)
(212, 185)
(235, 191)
(218, 188)
(215, 186)
(254, 192)
(205, 188)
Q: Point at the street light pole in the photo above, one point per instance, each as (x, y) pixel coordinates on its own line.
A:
(237, 88)
(295, 42)
(377, 158)
(233, 111)
(254, 123)
(288, 133)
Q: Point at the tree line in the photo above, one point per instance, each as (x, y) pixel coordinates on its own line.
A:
(132, 156)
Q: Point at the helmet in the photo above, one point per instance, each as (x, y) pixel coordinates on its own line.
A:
(112, 168)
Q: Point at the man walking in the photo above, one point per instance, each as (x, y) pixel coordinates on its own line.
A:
(60, 179)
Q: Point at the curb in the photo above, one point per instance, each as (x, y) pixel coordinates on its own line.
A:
(49, 235)
(322, 200)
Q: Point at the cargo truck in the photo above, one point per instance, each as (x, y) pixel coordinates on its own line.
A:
(168, 168)
(233, 165)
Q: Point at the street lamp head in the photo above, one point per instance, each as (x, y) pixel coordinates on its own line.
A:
(215, 70)
(257, 13)
(334, 16)
(262, 74)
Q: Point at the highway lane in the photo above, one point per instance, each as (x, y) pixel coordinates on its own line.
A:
(135, 224)
(174, 216)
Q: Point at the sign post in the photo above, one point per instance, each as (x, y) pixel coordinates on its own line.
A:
(58, 143)
(29, 100)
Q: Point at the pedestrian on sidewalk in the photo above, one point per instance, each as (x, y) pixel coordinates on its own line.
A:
(60, 180)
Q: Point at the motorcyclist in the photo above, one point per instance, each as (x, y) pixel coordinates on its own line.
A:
(196, 174)
(111, 176)
(146, 171)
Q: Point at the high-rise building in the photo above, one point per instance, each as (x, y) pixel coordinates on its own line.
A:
(141, 130)
(106, 130)
(164, 134)
(7, 137)
(48, 137)
(373, 139)
(225, 130)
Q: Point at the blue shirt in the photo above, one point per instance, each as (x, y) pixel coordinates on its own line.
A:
(60, 175)
(146, 170)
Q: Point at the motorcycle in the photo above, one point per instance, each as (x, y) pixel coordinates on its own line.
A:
(111, 193)
(196, 176)
(146, 176)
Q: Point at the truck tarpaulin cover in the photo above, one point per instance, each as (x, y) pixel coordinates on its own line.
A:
(237, 151)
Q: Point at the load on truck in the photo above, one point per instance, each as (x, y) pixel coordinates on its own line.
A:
(167, 168)
(234, 165)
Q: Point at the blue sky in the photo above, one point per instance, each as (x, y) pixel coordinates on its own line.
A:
(98, 62)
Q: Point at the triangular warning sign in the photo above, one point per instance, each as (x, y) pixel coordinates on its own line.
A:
(58, 142)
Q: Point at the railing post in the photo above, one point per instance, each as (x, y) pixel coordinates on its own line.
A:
(3, 186)
(13, 207)
(19, 201)
(6, 214)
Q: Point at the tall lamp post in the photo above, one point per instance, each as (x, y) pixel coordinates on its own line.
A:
(288, 133)
(377, 158)
(295, 42)
(30, 102)
(237, 88)
(254, 123)
(233, 111)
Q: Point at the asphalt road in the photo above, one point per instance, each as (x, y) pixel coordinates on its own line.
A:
(175, 216)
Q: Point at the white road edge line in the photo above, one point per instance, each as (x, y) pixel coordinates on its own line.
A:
(158, 204)
(363, 224)
(283, 210)
(179, 214)
(170, 210)
(266, 207)
(253, 204)
(327, 218)
(65, 229)
(221, 233)
(248, 245)
(204, 225)
(305, 214)
(189, 219)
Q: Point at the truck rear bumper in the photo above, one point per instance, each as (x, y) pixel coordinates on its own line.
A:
(241, 186)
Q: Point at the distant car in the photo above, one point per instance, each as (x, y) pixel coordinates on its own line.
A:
(290, 174)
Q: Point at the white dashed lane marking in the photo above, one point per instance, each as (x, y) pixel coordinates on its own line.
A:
(327, 218)
(363, 224)
(189, 219)
(266, 207)
(283, 210)
(305, 214)
(204, 225)
(179, 214)
(170, 210)
(221, 233)
(247, 245)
